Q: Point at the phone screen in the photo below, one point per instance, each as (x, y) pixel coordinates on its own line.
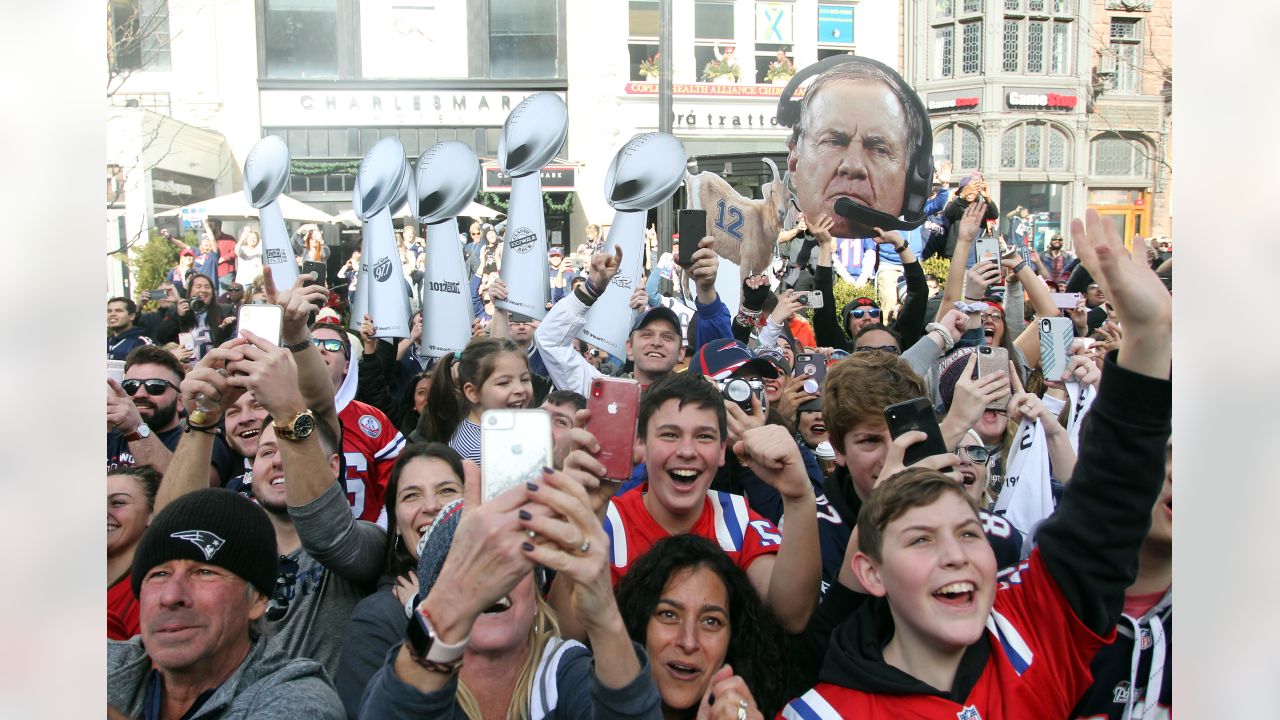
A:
(261, 320)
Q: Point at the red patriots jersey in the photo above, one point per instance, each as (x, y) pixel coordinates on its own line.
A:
(370, 446)
(725, 520)
(1038, 667)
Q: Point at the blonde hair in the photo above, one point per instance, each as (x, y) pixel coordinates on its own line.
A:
(544, 628)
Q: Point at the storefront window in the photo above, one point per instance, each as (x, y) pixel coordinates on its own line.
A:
(713, 34)
(139, 35)
(1035, 146)
(1118, 156)
(523, 39)
(301, 38)
(1044, 203)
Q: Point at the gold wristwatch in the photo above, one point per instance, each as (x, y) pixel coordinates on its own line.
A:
(298, 428)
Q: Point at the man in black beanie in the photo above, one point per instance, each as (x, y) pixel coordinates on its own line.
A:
(202, 574)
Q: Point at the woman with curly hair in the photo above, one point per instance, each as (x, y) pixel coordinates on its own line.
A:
(705, 628)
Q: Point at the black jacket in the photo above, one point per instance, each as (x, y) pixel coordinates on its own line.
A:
(945, 245)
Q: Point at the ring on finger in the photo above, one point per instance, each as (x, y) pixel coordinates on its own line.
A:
(586, 545)
(742, 710)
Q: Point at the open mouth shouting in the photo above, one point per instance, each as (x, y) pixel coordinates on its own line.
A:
(956, 594)
(683, 671)
(683, 479)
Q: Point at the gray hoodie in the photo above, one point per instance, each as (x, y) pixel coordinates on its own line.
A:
(267, 684)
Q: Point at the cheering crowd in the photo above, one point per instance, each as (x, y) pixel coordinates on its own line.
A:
(952, 499)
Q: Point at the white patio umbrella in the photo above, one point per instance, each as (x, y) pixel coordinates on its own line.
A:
(236, 206)
(474, 210)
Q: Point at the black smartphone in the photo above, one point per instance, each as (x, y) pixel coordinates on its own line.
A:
(157, 294)
(319, 268)
(692, 226)
(911, 415)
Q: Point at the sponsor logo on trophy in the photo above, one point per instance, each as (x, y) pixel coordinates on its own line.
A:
(382, 270)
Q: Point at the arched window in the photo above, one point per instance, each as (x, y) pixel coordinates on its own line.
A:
(1118, 156)
(1035, 145)
(959, 143)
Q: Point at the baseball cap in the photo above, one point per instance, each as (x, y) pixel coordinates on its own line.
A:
(555, 252)
(661, 312)
(775, 356)
(721, 359)
(188, 252)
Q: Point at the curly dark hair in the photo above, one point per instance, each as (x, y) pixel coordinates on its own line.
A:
(756, 641)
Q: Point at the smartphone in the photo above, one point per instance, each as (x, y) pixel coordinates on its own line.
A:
(614, 403)
(1056, 335)
(1065, 301)
(918, 415)
(514, 447)
(188, 341)
(810, 298)
(115, 370)
(812, 364)
(692, 226)
(157, 294)
(261, 320)
(319, 268)
(992, 360)
(987, 248)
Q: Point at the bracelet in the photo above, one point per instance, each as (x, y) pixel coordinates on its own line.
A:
(210, 429)
(1018, 268)
(947, 342)
(299, 346)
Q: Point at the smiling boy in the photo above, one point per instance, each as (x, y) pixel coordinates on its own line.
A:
(946, 640)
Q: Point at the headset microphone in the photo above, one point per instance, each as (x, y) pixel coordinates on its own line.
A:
(859, 213)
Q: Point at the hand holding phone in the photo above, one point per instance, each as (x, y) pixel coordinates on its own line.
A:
(265, 321)
(917, 415)
(992, 360)
(614, 404)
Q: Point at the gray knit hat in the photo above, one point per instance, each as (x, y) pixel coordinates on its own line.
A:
(433, 548)
(215, 526)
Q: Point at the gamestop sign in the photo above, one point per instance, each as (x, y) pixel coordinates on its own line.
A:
(1040, 100)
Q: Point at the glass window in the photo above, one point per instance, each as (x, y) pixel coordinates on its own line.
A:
(1118, 157)
(1009, 148)
(944, 9)
(1011, 30)
(301, 38)
(1057, 150)
(139, 35)
(642, 42)
(959, 144)
(1060, 56)
(1124, 29)
(523, 39)
(713, 20)
(1035, 5)
(972, 60)
(1031, 145)
(944, 50)
(972, 6)
(1062, 7)
(1035, 47)
(1012, 4)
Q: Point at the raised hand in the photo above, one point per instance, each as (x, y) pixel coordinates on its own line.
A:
(603, 267)
(971, 221)
(771, 453)
(894, 464)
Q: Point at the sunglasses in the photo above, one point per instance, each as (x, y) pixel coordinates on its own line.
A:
(154, 386)
(278, 605)
(891, 349)
(328, 344)
(976, 453)
(864, 312)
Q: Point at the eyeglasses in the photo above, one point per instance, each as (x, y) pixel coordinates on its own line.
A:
(154, 386)
(892, 349)
(327, 344)
(992, 316)
(976, 453)
(864, 312)
(287, 575)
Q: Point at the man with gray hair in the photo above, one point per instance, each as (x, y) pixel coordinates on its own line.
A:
(202, 574)
(855, 138)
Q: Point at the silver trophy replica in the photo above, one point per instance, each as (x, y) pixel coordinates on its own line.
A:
(448, 176)
(266, 172)
(533, 134)
(646, 171)
(381, 292)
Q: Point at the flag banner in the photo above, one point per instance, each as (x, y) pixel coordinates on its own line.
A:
(609, 319)
(446, 294)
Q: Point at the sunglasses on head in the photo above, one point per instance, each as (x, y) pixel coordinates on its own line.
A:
(864, 312)
(976, 453)
(154, 386)
(327, 344)
(892, 349)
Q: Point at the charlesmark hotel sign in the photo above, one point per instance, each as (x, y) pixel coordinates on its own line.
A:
(350, 108)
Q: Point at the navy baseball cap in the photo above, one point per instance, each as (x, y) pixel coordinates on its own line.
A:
(721, 359)
(662, 312)
(775, 356)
